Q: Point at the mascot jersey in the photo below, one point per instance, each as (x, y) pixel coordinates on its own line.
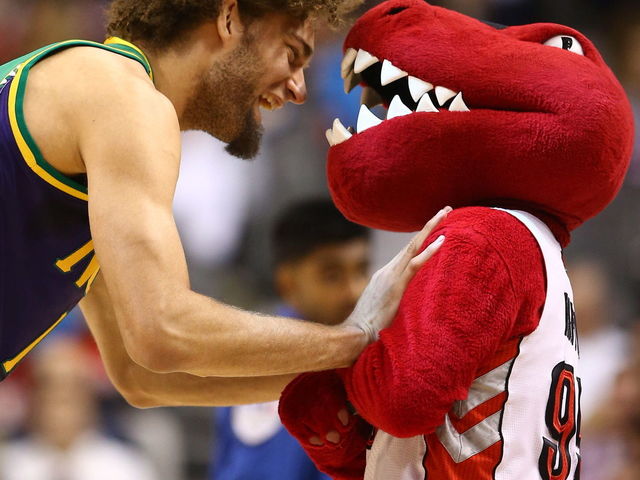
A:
(522, 405)
(527, 133)
(47, 263)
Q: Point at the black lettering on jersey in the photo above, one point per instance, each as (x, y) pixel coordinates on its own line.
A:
(563, 421)
(579, 435)
(570, 329)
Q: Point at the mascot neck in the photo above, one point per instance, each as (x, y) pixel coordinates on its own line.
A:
(559, 229)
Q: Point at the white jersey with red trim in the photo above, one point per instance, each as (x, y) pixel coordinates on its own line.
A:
(521, 418)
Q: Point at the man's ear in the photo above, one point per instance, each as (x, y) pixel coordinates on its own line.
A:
(230, 28)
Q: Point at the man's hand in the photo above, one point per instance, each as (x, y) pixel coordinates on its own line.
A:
(380, 300)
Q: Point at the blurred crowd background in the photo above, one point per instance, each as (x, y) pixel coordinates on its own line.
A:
(225, 209)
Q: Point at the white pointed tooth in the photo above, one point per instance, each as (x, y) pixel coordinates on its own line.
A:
(458, 104)
(351, 81)
(397, 108)
(390, 73)
(366, 119)
(363, 61)
(426, 105)
(347, 62)
(418, 88)
(340, 133)
(443, 94)
(329, 135)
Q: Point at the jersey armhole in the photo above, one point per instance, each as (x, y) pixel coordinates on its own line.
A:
(26, 144)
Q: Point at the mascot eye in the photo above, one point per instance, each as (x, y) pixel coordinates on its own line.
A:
(565, 42)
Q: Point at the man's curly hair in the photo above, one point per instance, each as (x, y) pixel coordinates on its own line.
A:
(158, 23)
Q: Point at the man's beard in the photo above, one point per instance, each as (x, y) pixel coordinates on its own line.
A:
(224, 100)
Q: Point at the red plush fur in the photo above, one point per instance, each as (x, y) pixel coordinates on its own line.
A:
(314, 398)
(484, 289)
(549, 132)
(481, 293)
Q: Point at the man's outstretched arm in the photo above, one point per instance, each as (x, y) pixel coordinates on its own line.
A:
(130, 143)
(143, 388)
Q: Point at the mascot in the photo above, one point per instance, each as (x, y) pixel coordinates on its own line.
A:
(524, 131)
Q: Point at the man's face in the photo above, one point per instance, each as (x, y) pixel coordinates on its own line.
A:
(325, 285)
(264, 71)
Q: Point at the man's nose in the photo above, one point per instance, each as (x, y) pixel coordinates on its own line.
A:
(297, 88)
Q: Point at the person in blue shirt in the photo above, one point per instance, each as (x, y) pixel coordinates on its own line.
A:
(321, 267)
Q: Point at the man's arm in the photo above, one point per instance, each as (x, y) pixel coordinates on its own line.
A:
(128, 137)
(143, 388)
(131, 148)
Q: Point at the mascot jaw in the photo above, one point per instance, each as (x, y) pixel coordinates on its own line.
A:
(385, 84)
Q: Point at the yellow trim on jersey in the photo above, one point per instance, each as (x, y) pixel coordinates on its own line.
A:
(89, 274)
(27, 146)
(27, 154)
(10, 364)
(66, 264)
(113, 42)
(92, 279)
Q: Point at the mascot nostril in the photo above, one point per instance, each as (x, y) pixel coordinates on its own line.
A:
(526, 132)
(396, 10)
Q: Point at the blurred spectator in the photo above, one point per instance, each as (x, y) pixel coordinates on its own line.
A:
(321, 268)
(159, 434)
(64, 440)
(611, 440)
(630, 75)
(603, 344)
(13, 25)
(57, 20)
(13, 398)
(321, 261)
(212, 199)
(30, 24)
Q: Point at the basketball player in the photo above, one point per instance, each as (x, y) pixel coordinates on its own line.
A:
(89, 157)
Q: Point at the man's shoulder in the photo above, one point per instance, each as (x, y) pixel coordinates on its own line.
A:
(93, 77)
(81, 101)
(87, 60)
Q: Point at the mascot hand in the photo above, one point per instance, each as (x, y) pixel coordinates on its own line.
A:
(314, 409)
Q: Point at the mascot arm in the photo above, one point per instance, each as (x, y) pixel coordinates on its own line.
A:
(315, 404)
(457, 310)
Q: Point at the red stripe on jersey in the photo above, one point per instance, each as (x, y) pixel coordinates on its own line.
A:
(505, 352)
(439, 463)
(440, 466)
(478, 414)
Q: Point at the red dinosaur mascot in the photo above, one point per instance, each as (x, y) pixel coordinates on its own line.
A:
(527, 133)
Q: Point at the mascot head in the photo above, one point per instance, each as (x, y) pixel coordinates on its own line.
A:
(526, 117)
